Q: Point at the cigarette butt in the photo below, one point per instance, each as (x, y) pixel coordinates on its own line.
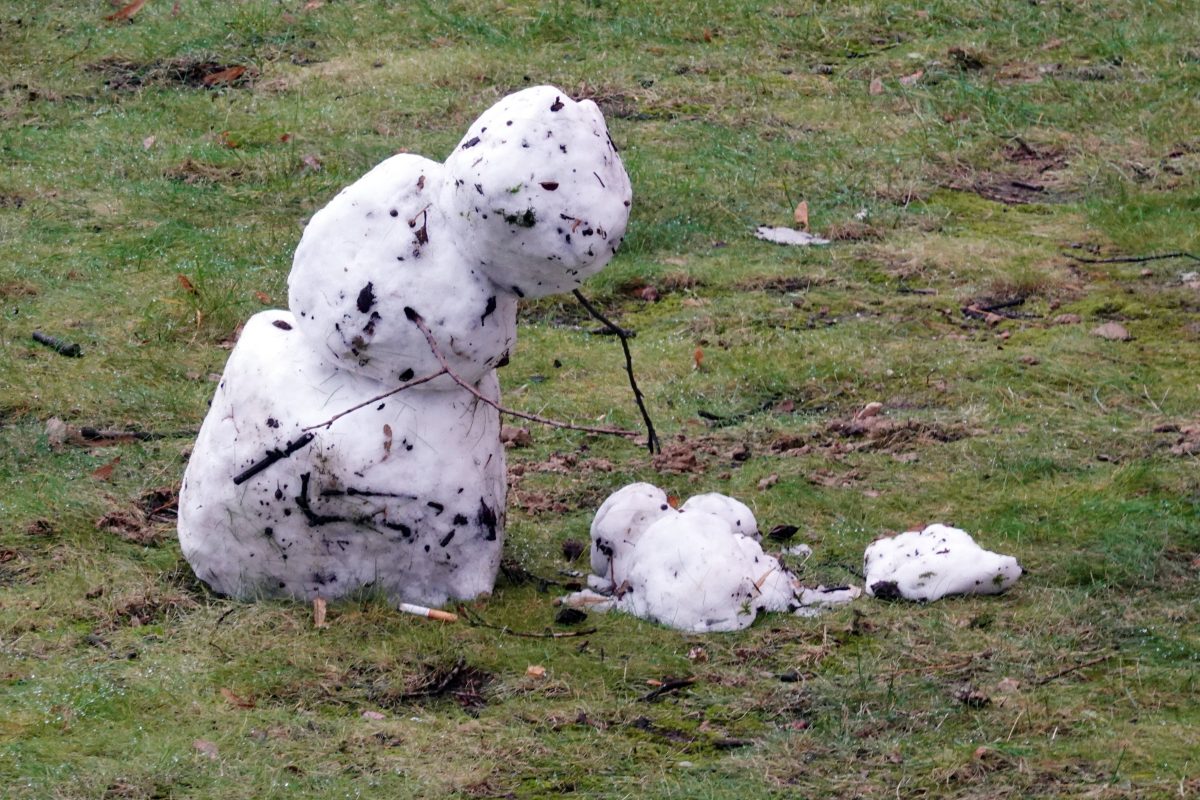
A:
(431, 613)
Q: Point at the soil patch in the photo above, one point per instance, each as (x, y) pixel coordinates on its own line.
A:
(1024, 176)
(121, 75)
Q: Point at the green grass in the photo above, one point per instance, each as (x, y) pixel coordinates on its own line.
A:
(121, 677)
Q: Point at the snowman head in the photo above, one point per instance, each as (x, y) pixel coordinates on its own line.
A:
(537, 192)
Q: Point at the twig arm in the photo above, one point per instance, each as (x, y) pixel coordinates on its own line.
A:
(416, 319)
(622, 334)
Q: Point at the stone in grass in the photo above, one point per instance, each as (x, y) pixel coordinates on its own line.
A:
(1113, 331)
(405, 494)
(929, 564)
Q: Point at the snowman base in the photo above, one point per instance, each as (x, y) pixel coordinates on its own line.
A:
(406, 496)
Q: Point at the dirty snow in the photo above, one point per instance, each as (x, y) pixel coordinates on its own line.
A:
(406, 494)
(933, 563)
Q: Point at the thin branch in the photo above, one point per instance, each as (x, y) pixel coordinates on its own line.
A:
(377, 398)
(1133, 259)
(622, 334)
(60, 346)
(476, 621)
(666, 688)
(1073, 668)
(419, 321)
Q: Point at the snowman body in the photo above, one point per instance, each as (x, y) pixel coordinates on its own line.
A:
(286, 496)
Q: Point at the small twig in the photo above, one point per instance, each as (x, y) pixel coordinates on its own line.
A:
(1073, 668)
(419, 321)
(476, 621)
(1012, 301)
(953, 666)
(63, 348)
(377, 398)
(666, 688)
(271, 457)
(651, 437)
(1133, 259)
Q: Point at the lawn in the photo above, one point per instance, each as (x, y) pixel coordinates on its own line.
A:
(995, 178)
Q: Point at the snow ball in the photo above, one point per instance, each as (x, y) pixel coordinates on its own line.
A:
(619, 523)
(735, 512)
(538, 192)
(692, 572)
(930, 564)
(382, 246)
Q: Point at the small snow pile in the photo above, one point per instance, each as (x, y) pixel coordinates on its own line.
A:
(789, 236)
(930, 564)
(699, 568)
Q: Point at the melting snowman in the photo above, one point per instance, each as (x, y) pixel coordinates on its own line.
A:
(411, 272)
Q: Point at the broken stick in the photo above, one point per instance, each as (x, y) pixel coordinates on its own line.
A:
(63, 348)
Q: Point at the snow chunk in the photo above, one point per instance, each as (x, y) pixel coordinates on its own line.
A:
(692, 572)
(539, 192)
(789, 236)
(735, 512)
(617, 526)
(930, 564)
(700, 568)
(379, 247)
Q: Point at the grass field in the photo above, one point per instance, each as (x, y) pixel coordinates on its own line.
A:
(978, 165)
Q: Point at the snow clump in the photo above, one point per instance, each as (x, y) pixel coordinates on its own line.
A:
(933, 563)
(700, 568)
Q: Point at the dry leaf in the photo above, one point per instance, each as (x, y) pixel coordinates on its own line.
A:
(227, 75)
(876, 86)
(105, 472)
(312, 5)
(311, 161)
(205, 748)
(801, 215)
(387, 441)
(911, 80)
(285, 138)
(175, 9)
(768, 482)
(535, 671)
(226, 140)
(698, 358)
(698, 654)
(236, 699)
(186, 284)
(148, 142)
(263, 298)
(127, 12)
(319, 613)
